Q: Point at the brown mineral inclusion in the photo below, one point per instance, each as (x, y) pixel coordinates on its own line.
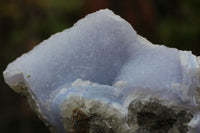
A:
(80, 121)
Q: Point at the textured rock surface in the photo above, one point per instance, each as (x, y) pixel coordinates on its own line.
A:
(101, 76)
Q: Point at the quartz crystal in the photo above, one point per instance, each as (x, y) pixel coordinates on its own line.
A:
(100, 76)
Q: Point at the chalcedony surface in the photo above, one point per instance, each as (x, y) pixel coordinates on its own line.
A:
(101, 76)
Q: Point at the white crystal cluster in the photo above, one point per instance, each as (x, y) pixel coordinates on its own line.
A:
(96, 69)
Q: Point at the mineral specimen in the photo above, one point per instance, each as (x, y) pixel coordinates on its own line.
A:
(100, 76)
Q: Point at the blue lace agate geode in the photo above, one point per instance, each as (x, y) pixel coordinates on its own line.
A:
(101, 76)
